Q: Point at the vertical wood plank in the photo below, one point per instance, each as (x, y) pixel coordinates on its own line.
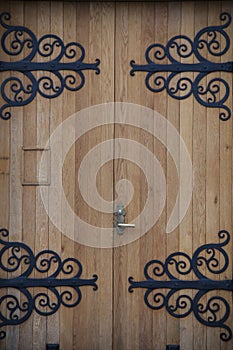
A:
(86, 26)
(186, 130)
(173, 110)
(147, 251)
(120, 323)
(212, 174)
(132, 265)
(42, 135)
(15, 227)
(199, 168)
(81, 336)
(67, 245)
(159, 235)
(5, 138)
(56, 106)
(29, 192)
(105, 331)
(226, 166)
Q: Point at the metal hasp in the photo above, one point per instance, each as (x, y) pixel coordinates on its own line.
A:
(19, 301)
(63, 68)
(211, 41)
(210, 310)
(120, 220)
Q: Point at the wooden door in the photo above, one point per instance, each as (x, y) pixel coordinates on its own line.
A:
(137, 326)
(52, 137)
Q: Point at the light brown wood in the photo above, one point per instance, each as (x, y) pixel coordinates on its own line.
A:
(5, 170)
(173, 113)
(186, 128)
(42, 135)
(101, 39)
(148, 22)
(56, 112)
(15, 214)
(212, 176)
(68, 174)
(225, 183)
(29, 140)
(29, 192)
(158, 232)
(121, 94)
(199, 166)
(81, 335)
(116, 33)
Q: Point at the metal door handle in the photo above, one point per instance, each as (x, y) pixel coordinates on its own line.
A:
(120, 220)
(125, 225)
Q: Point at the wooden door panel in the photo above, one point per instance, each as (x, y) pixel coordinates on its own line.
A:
(197, 128)
(81, 327)
(117, 33)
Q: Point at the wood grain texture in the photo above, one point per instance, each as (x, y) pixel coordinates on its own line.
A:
(5, 169)
(42, 136)
(199, 168)
(56, 112)
(120, 321)
(101, 39)
(173, 115)
(15, 213)
(186, 129)
(29, 192)
(117, 32)
(158, 232)
(148, 21)
(225, 196)
(81, 335)
(133, 321)
(212, 174)
(68, 175)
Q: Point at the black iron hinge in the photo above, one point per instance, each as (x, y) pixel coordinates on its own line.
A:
(209, 42)
(63, 67)
(210, 310)
(59, 282)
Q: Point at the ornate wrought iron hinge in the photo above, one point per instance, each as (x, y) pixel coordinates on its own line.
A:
(210, 41)
(54, 292)
(21, 89)
(210, 310)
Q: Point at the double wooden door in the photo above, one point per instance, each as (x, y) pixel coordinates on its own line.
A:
(111, 317)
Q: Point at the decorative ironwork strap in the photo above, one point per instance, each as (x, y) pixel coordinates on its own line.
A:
(21, 88)
(212, 311)
(19, 302)
(209, 42)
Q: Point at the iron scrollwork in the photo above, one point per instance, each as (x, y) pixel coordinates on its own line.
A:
(59, 282)
(212, 42)
(62, 69)
(210, 310)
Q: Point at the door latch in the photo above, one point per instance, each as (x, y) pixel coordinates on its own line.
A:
(120, 220)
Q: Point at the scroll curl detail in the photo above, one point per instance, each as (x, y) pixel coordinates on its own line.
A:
(62, 68)
(165, 75)
(210, 310)
(20, 301)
